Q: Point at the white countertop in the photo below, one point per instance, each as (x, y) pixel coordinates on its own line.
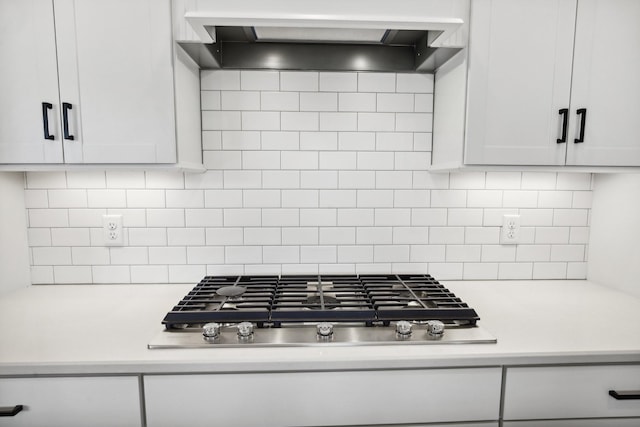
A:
(96, 329)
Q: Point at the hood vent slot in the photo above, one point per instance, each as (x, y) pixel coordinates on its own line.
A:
(238, 47)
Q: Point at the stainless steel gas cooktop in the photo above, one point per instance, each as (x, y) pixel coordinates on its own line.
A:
(264, 311)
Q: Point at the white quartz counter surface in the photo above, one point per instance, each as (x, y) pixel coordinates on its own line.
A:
(104, 329)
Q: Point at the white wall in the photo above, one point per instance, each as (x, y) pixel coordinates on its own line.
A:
(614, 246)
(14, 253)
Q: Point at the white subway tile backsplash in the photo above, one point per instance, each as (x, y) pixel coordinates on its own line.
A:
(300, 236)
(185, 236)
(337, 160)
(36, 199)
(280, 254)
(239, 140)
(337, 236)
(259, 80)
(299, 81)
(393, 141)
(318, 254)
(376, 122)
(262, 236)
(220, 80)
(395, 102)
(46, 180)
(68, 274)
(242, 217)
(319, 179)
(357, 102)
(280, 140)
(168, 255)
(165, 217)
(236, 100)
(221, 120)
(320, 101)
(205, 255)
(414, 83)
(51, 256)
(319, 141)
(68, 237)
(210, 100)
(111, 274)
(67, 198)
(90, 256)
(300, 198)
(147, 236)
(185, 198)
(261, 160)
(338, 82)
(308, 172)
(260, 120)
(376, 82)
(330, 121)
(224, 236)
(149, 274)
(309, 121)
(48, 218)
(299, 160)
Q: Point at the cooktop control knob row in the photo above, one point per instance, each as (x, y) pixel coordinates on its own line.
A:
(435, 329)
(211, 331)
(324, 330)
(245, 331)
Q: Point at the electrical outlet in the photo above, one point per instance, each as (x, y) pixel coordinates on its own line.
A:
(510, 232)
(112, 230)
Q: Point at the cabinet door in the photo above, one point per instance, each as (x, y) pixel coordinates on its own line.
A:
(323, 398)
(115, 65)
(606, 82)
(520, 54)
(71, 402)
(28, 78)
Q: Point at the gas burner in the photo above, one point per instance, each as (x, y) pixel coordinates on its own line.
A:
(231, 291)
(315, 302)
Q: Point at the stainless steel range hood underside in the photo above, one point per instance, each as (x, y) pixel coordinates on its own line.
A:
(238, 47)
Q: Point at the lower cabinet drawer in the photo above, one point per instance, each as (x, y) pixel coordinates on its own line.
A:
(323, 398)
(72, 401)
(600, 422)
(570, 392)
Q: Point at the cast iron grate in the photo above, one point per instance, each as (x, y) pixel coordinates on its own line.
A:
(273, 300)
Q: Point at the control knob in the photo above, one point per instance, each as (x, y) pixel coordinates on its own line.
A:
(245, 331)
(403, 329)
(324, 330)
(435, 329)
(211, 331)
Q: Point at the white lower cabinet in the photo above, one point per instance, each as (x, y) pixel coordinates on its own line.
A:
(72, 401)
(600, 422)
(570, 392)
(325, 398)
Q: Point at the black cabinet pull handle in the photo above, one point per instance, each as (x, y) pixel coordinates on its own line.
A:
(625, 395)
(581, 112)
(564, 112)
(65, 120)
(46, 106)
(10, 411)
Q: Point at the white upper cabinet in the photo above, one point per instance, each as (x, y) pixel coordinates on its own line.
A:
(29, 101)
(111, 62)
(548, 82)
(606, 83)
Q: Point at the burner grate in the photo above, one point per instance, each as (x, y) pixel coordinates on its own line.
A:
(319, 298)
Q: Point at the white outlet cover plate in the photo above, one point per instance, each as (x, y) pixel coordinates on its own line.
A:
(112, 230)
(510, 231)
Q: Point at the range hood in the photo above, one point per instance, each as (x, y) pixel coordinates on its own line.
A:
(326, 43)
